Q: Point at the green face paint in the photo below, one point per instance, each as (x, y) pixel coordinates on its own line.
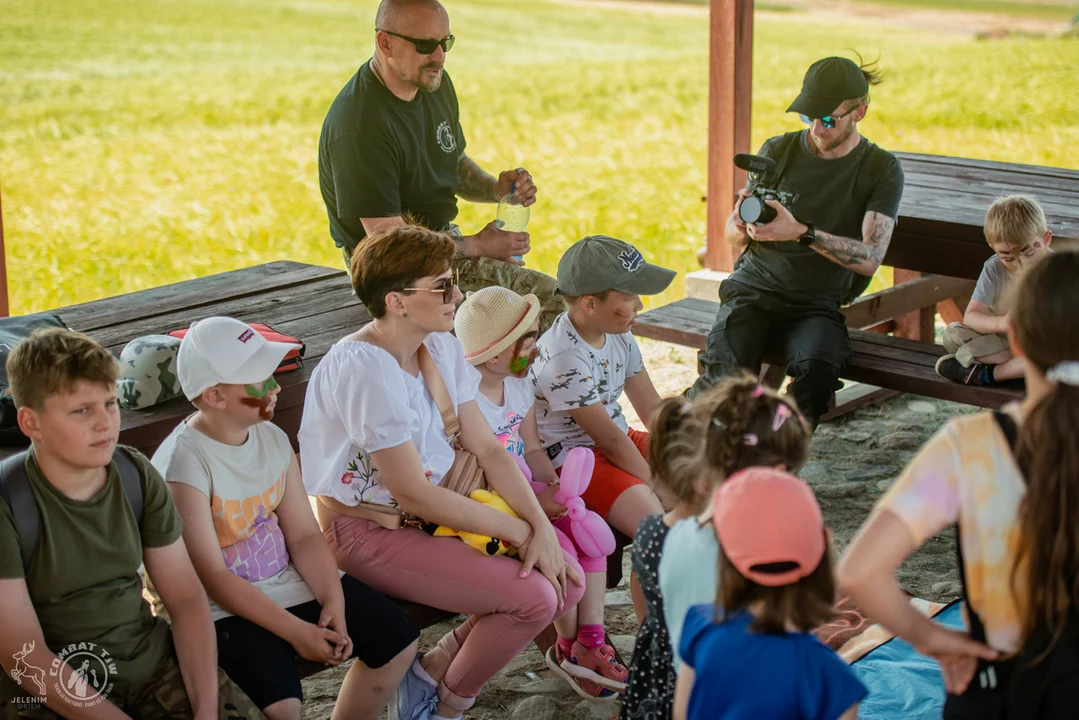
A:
(263, 389)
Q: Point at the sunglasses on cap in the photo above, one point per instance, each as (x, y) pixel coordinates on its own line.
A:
(443, 285)
(426, 46)
(828, 121)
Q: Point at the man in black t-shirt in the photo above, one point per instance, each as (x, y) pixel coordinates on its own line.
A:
(795, 271)
(392, 147)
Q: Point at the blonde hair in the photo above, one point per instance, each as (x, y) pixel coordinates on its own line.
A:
(1014, 220)
(52, 361)
(730, 427)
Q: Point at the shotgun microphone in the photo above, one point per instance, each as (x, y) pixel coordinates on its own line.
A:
(755, 163)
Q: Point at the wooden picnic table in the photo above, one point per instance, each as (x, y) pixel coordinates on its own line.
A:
(944, 204)
(310, 302)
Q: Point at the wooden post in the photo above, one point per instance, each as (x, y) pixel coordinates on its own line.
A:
(917, 325)
(4, 311)
(730, 96)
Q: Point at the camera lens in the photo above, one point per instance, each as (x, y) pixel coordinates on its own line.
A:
(753, 210)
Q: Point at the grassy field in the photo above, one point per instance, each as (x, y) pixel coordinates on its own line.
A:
(144, 143)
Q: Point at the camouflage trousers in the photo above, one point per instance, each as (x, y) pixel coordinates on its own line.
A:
(164, 697)
(477, 273)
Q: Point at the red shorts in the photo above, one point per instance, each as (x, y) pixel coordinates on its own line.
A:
(610, 481)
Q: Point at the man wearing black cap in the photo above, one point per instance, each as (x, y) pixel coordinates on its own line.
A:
(797, 270)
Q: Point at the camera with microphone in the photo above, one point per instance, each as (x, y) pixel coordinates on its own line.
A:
(763, 187)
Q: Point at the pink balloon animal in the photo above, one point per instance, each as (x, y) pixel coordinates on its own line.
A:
(591, 533)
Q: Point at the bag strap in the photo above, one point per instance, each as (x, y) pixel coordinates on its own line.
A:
(1010, 429)
(130, 481)
(16, 492)
(433, 378)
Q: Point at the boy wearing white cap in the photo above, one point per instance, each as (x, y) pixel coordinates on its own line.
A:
(273, 583)
(498, 330)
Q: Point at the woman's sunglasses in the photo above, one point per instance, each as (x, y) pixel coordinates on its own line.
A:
(828, 121)
(444, 286)
(424, 47)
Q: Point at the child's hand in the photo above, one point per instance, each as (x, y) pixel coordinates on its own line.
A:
(547, 502)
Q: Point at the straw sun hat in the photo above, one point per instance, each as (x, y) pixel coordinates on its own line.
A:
(491, 320)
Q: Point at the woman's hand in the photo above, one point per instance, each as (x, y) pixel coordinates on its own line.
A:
(542, 551)
(958, 655)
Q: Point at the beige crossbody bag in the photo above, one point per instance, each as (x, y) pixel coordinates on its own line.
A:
(464, 476)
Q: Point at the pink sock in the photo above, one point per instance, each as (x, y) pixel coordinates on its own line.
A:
(565, 645)
(591, 636)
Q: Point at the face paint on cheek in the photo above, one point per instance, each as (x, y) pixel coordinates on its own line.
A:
(262, 404)
(262, 390)
(259, 397)
(519, 365)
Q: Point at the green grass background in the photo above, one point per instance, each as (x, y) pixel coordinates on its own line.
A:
(147, 142)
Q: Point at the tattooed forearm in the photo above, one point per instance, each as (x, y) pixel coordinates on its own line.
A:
(861, 256)
(473, 183)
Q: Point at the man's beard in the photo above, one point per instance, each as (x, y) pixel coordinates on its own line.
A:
(421, 83)
(833, 144)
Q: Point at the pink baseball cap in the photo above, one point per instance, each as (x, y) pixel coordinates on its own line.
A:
(763, 516)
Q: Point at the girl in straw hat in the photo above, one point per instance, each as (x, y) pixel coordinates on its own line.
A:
(498, 330)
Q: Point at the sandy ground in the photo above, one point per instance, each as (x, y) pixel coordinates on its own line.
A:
(854, 459)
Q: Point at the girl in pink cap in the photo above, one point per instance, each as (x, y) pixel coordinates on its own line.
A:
(751, 654)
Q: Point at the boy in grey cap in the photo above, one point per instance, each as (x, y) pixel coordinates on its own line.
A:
(584, 361)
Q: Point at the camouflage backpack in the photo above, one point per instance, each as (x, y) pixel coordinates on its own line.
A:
(148, 372)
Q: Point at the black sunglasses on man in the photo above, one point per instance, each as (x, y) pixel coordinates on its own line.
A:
(423, 47)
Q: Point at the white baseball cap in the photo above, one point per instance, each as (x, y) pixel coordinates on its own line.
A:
(225, 350)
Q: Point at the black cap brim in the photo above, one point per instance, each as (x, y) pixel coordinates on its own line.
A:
(650, 280)
(814, 107)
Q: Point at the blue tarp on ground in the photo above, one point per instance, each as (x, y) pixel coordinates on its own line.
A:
(902, 683)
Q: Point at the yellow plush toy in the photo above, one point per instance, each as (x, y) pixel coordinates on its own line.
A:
(484, 543)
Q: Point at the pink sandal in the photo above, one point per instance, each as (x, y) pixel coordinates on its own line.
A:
(566, 669)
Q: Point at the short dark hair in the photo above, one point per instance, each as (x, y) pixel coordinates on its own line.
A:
(392, 260)
(805, 604)
(51, 361)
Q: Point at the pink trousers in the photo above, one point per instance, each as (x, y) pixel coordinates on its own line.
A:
(506, 611)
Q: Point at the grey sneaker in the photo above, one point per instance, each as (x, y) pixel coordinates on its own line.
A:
(416, 697)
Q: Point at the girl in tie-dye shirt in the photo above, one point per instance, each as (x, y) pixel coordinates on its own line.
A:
(1017, 513)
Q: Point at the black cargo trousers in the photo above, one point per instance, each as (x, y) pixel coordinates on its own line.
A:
(811, 337)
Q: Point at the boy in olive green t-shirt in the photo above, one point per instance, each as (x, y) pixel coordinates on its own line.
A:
(75, 631)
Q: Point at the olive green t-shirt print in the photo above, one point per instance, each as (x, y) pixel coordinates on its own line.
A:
(83, 578)
(381, 156)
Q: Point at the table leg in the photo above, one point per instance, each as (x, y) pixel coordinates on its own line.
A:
(917, 325)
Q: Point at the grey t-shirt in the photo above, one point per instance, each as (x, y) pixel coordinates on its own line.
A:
(993, 287)
(834, 195)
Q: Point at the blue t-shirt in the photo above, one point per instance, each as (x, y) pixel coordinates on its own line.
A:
(743, 675)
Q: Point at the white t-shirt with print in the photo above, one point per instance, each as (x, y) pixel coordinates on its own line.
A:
(569, 374)
(505, 419)
(359, 401)
(245, 484)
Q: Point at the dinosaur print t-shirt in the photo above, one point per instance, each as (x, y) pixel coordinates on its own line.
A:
(505, 419)
(569, 374)
(244, 484)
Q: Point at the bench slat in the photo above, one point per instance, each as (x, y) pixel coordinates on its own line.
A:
(888, 362)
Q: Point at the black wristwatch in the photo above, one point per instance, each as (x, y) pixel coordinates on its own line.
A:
(809, 236)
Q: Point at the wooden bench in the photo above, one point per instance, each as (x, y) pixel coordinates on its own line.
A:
(898, 364)
(313, 303)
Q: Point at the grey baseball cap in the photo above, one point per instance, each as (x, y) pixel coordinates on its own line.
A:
(598, 263)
